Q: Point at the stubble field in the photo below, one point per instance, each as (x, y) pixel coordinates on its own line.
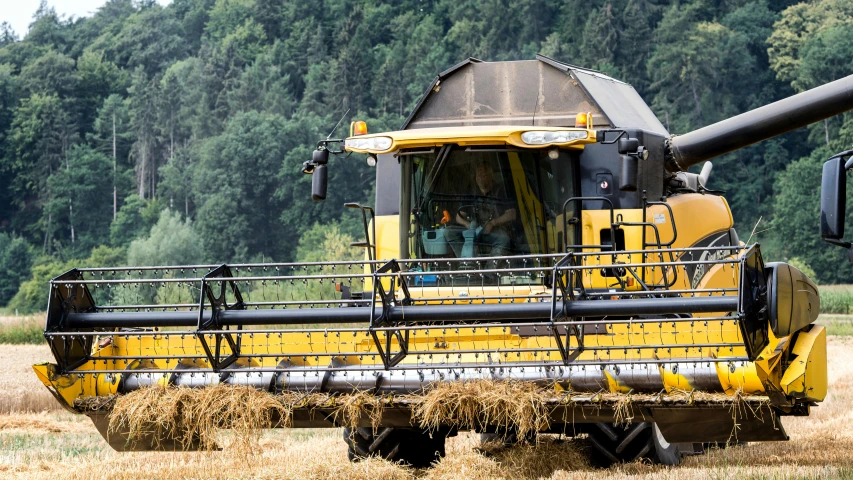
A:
(37, 440)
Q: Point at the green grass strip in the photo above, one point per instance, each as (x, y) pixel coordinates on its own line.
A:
(25, 330)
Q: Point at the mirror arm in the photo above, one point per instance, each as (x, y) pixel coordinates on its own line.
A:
(840, 243)
(843, 154)
(324, 145)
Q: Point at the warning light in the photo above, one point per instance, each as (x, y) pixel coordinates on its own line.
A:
(358, 128)
(581, 120)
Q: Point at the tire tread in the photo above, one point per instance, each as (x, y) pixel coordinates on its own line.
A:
(412, 446)
(612, 444)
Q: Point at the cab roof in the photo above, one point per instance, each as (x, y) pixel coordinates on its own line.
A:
(541, 92)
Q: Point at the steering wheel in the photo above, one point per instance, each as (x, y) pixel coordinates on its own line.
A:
(466, 212)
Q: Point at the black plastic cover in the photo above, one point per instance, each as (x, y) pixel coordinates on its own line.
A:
(753, 311)
(793, 299)
(319, 182)
(833, 195)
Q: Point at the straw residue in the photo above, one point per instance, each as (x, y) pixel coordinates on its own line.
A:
(192, 416)
(623, 411)
(95, 404)
(540, 460)
(350, 408)
(509, 405)
(739, 409)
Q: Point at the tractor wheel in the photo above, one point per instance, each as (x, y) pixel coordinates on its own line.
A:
(408, 445)
(617, 444)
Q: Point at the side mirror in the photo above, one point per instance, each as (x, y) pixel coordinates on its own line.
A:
(833, 195)
(632, 152)
(628, 173)
(319, 182)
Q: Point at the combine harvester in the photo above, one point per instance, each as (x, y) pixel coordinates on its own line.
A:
(535, 230)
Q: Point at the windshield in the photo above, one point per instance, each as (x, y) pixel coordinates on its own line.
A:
(487, 202)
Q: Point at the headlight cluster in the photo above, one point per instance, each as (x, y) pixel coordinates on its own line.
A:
(377, 144)
(547, 138)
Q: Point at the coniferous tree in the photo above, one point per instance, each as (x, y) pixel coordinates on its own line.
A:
(7, 34)
(601, 38)
(143, 113)
(113, 136)
(635, 44)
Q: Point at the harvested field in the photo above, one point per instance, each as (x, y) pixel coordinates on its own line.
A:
(60, 445)
(20, 390)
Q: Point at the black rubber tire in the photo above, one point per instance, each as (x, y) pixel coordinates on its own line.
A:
(408, 445)
(610, 444)
(666, 453)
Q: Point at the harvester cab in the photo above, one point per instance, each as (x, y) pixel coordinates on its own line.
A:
(539, 259)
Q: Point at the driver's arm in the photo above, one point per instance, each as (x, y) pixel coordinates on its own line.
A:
(508, 216)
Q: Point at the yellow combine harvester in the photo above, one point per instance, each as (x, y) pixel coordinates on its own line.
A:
(534, 221)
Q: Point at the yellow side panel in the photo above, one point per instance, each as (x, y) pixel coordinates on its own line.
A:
(593, 222)
(71, 387)
(696, 217)
(387, 244)
(388, 236)
(806, 376)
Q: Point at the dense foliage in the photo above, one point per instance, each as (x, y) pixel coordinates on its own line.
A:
(169, 135)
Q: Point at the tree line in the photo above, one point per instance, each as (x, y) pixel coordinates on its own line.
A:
(170, 135)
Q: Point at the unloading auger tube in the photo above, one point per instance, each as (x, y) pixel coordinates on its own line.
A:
(684, 151)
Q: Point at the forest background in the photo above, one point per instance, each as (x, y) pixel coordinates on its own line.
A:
(173, 135)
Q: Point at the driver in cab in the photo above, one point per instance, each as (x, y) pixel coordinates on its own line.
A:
(490, 222)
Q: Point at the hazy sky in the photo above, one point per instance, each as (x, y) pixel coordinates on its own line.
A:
(19, 13)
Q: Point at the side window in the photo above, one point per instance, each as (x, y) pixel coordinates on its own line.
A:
(542, 184)
(559, 184)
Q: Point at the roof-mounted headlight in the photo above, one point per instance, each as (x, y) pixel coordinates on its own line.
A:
(548, 137)
(376, 144)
